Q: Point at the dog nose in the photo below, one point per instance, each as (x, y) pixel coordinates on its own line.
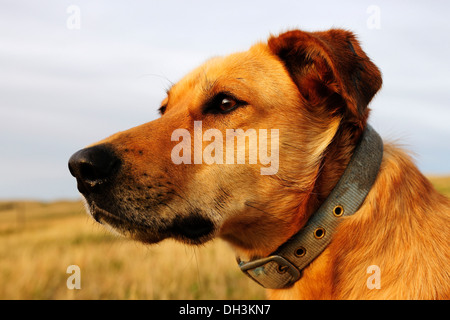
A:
(94, 168)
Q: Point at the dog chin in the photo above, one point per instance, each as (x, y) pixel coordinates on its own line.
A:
(192, 229)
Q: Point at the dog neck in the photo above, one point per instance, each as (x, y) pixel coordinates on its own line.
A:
(283, 267)
(332, 167)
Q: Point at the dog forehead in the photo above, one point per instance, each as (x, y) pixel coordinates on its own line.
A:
(257, 68)
(254, 62)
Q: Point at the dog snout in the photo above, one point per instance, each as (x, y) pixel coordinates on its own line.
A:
(94, 168)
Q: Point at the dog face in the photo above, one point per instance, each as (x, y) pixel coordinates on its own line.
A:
(185, 175)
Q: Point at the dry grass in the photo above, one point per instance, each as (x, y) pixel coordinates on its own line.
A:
(38, 241)
(441, 183)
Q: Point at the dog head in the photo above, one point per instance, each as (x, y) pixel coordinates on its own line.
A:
(245, 147)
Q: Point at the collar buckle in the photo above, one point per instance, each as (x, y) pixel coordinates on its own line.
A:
(262, 269)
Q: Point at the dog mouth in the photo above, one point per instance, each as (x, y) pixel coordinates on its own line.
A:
(192, 228)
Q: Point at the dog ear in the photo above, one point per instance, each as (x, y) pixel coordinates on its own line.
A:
(330, 69)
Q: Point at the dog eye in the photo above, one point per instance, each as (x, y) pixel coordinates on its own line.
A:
(163, 106)
(227, 104)
(162, 109)
(223, 103)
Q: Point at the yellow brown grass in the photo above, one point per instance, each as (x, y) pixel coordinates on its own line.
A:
(39, 241)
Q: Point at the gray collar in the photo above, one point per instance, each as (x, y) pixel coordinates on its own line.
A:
(284, 267)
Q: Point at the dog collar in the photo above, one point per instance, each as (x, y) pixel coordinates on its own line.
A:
(284, 267)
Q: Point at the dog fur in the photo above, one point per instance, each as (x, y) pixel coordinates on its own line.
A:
(315, 88)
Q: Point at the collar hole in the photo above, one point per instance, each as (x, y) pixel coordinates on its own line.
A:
(319, 233)
(281, 269)
(338, 211)
(300, 252)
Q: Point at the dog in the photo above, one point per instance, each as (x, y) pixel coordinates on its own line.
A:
(311, 90)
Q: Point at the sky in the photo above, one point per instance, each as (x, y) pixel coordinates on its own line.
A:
(74, 72)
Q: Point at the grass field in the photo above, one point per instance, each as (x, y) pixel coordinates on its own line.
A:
(38, 241)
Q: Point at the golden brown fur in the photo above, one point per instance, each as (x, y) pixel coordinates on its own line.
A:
(314, 88)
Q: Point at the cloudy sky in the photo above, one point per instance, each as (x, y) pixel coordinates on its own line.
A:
(74, 72)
